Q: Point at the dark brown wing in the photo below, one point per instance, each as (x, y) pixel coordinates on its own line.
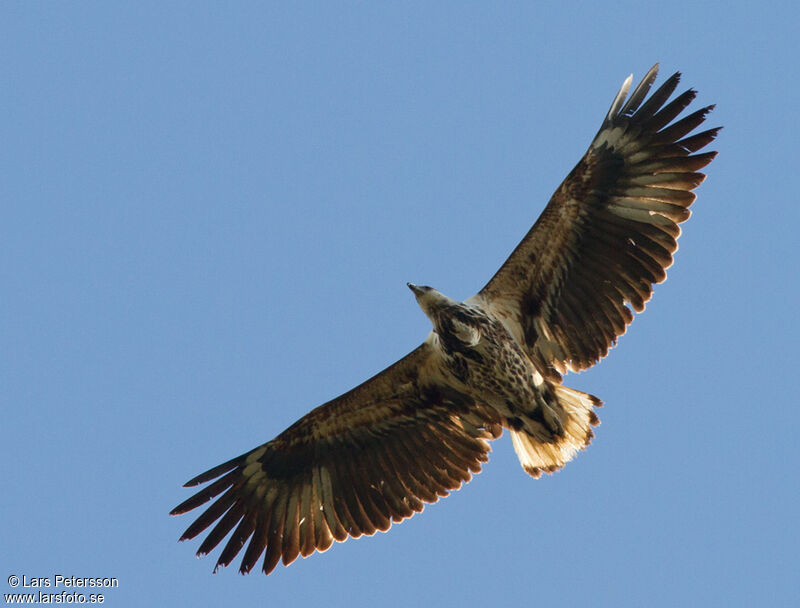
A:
(352, 466)
(607, 234)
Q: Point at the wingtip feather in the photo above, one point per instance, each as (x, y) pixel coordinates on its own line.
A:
(620, 98)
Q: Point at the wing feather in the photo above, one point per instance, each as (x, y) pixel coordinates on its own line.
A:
(306, 524)
(400, 500)
(335, 523)
(608, 233)
(351, 467)
(639, 93)
(323, 534)
(243, 531)
(272, 554)
(258, 542)
(291, 535)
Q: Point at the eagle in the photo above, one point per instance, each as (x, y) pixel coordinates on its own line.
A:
(422, 427)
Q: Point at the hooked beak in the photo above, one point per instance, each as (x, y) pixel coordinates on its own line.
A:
(418, 291)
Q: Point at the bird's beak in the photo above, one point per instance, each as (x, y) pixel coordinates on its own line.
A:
(417, 291)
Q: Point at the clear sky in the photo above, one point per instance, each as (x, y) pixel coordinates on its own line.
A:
(209, 214)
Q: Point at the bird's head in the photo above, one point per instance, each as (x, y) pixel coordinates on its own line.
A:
(448, 324)
(429, 300)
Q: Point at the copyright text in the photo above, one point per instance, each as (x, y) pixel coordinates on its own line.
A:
(58, 589)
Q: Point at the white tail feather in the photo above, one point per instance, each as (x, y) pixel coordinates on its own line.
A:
(576, 412)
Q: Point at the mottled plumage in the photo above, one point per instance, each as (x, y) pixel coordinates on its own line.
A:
(421, 428)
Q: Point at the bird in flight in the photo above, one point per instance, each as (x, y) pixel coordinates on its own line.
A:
(420, 428)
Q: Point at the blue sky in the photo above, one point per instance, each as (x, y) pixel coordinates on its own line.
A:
(210, 215)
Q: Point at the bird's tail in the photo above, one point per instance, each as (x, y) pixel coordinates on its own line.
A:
(575, 411)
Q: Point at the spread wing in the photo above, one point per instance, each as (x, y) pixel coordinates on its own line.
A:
(608, 233)
(352, 466)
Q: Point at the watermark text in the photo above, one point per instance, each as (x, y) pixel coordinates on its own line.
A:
(58, 589)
